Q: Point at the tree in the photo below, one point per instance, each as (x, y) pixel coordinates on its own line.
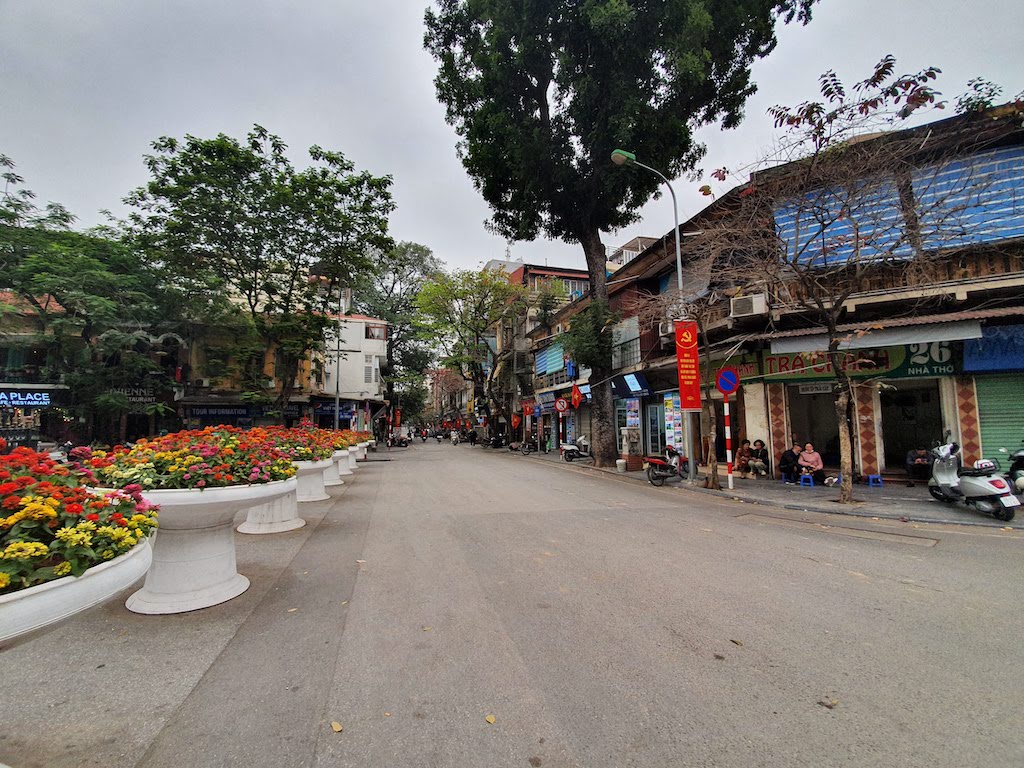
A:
(107, 318)
(854, 210)
(241, 219)
(389, 292)
(541, 93)
(462, 312)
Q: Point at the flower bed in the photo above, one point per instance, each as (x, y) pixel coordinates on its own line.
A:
(52, 525)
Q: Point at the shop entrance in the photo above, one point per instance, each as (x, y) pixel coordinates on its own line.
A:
(812, 418)
(911, 417)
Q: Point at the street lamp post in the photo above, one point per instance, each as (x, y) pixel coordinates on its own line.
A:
(622, 157)
(337, 362)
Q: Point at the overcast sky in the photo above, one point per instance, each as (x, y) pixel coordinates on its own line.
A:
(86, 85)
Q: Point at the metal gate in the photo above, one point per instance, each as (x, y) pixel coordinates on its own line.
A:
(1001, 410)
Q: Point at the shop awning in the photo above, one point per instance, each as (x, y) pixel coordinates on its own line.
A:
(884, 337)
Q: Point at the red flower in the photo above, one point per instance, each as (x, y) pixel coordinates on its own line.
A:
(12, 502)
(92, 516)
(74, 509)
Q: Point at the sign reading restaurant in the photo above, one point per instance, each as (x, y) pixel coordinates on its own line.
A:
(14, 398)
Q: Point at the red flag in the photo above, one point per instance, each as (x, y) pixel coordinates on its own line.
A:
(515, 420)
(576, 397)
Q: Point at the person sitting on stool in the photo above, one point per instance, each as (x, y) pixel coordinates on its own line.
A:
(811, 464)
(758, 463)
(788, 464)
(919, 466)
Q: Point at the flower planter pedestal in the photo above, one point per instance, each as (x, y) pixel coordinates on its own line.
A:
(310, 475)
(341, 461)
(362, 450)
(194, 553)
(277, 516)
(32, 611)
(331, 476)
(352, 454)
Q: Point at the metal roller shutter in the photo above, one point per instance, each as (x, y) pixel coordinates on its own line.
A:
(1001, 410)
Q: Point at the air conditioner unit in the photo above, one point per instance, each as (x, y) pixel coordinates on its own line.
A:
(748, 306)
(205, 383)
(666, 329)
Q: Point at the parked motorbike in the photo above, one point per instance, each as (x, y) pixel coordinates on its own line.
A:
(397, 441)
(423, 436)
(455, 437)
(498, 441)
(577, 450)
(979, 486)
(661, 468)
(439, 437)
(1015, 475)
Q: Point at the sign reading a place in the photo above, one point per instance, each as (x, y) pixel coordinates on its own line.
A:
(687, 365)
(19, 398)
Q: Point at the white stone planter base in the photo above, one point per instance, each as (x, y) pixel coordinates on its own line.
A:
(342, 461)
(362, 450)
(277, 516)
(310, 475)
(352, 452)
(194, 552)
(35, 610)
(331, 477)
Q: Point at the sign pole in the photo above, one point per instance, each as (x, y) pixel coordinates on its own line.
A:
(728, 441)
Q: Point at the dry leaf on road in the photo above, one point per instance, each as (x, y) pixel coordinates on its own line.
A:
(336, 726)
(490, 719)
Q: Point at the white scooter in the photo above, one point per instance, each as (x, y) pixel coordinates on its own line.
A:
(578, 450)
(981, 487)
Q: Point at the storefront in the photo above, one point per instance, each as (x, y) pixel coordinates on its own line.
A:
(997, 360)
(903, 396)
(30, 415)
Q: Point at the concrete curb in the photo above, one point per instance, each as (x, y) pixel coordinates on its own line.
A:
(767, 502)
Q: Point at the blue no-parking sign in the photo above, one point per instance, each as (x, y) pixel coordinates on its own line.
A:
(728, 380)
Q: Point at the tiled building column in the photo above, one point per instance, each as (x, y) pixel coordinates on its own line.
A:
(777, 420)
(970, 424)
(867, 435)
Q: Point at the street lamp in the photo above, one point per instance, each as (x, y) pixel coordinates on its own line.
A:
(622, 157)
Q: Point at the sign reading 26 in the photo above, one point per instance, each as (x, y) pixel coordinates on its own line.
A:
(937, 352)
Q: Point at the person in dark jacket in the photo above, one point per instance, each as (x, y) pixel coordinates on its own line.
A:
(758, 461)
(789, 464)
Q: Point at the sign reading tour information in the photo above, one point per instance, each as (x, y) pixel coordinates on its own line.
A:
(687, 365)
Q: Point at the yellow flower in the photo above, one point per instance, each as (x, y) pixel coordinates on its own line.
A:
(106, 554)
(62, 569)
(52, 502)
(86, 525)
(4, 580)
(23, 550)
(74, 537)
(36, 511)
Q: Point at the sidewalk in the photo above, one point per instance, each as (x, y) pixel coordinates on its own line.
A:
(893, 501)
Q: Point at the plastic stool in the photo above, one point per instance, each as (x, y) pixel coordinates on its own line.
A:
(807, 480)
(875, 481)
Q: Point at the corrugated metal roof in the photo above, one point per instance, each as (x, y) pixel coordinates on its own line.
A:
(901, 322)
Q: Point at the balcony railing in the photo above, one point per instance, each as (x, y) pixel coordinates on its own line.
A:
(626, 354)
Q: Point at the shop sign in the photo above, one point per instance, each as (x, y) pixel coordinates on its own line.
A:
(688, 365)
(746, 366)
(23, 398)
(1001, 348)
(633, 412)
(817, 388)
(137, 395)
(222, 410)
(939, 358)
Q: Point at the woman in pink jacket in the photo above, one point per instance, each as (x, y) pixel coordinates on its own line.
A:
(811, 464)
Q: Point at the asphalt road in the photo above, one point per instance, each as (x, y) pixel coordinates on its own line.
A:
(599, 622)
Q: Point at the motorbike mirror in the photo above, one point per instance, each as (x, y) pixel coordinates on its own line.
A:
(1003, 450)
(955, 448)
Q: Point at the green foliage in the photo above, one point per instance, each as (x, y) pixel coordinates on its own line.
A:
(389, 292)
(589, 339)
(541, 93)
(460, 312)
(238, 217)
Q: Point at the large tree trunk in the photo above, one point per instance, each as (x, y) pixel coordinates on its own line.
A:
(843, 401)
(603, 442)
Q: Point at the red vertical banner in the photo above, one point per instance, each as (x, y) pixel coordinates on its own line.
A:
(515, 421)
(398, 418)
(688, 365)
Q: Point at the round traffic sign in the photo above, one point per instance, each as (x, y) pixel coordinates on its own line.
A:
(561, 405)
(728, 380)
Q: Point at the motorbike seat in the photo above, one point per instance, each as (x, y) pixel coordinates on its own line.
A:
(972, 472)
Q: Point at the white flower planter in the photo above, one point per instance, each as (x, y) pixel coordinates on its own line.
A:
(341, 461)
(352, 455)
(331, 477)
(362, 450)
(194, 554)
(37, 609)
(277, 516)
(311, 480)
